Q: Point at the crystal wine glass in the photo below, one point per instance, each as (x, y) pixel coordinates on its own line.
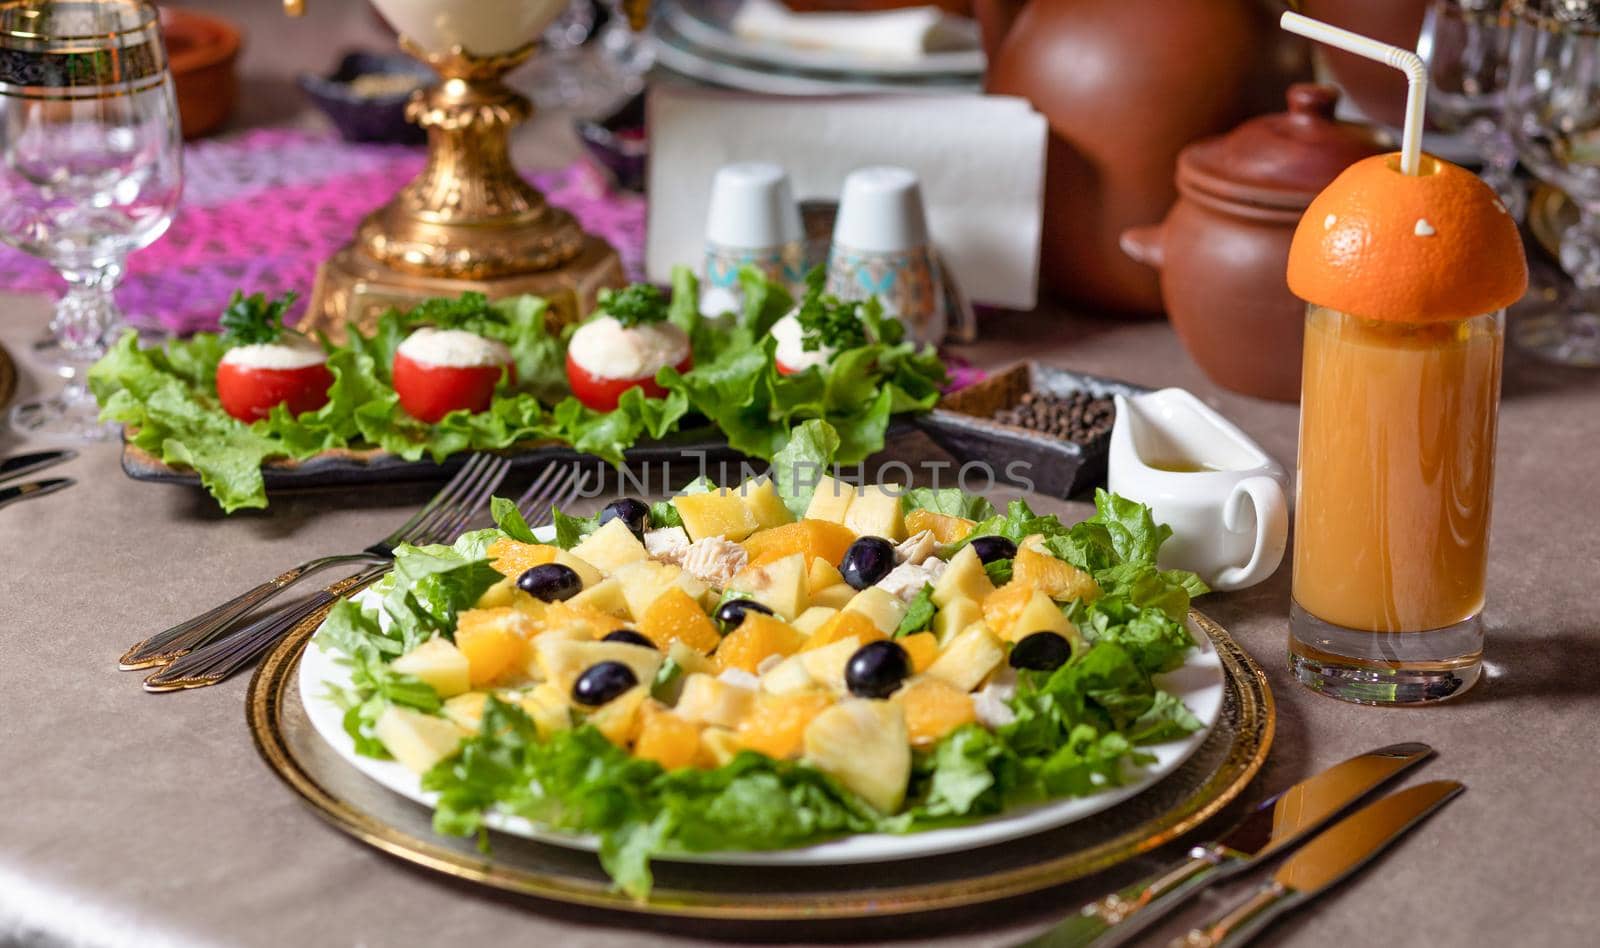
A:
(90, 168)
(1467, 45)
(1553, 107)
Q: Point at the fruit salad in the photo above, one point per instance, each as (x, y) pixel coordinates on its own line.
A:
(767, 664)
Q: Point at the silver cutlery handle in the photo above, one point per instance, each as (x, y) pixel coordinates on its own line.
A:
(1123, 914)
(163, 647)
(1242, 922)
(217, 661)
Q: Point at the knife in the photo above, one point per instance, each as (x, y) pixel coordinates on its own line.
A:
(1334, 854)
(21, 464)
(1275, 824)
(10, 495)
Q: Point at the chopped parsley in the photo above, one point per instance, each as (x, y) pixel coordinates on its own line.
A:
(635, 305)
(253, 320)
(827, 321)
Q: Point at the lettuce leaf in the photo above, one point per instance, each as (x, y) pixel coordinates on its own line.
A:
(800, 463)
(919, 613)
(950, 501)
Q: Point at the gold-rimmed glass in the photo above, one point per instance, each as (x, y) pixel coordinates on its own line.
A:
(91, 168)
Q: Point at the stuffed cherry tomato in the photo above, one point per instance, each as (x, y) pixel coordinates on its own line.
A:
(791, 355)
(606, 358)
(253, 379)
(438, 371)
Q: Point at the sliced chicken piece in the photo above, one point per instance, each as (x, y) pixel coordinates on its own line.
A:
(714, 560)
(915, 549)
(667, 545)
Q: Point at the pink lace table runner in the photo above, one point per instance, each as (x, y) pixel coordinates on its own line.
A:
(262, 209)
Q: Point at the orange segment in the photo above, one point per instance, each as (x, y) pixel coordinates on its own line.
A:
(1382, 244)
(676, 617)
(1004, 605)
(945, 528)
(923, 649)
(513, 559)
(757, 637)
(843, 626)
(494, 641)
(1055, 578)
(934, 708)
(814, 538)
(777, 726)
(667, 739)
(593, 622)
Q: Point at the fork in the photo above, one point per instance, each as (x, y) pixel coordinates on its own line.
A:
(163, 647)
(207, 666)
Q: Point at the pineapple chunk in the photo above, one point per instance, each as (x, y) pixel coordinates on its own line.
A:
(963, 578)
(833, 597)
(809, 621)
(563, 660)
(788, 677)
(719, 745)
(708, 700)
(954, 618)
(438, 663)
(1041, 614)
(968, 658)
(550, 709)
(875, 512)
(720, 513)
(826, 665)
(822, 574)
(611, 546)
(618, 719)
(644, 582)
(691, 661)
(865, 746)
(466, 710)
(605, 596)
(880, 606)
(502, 594)
(831, 501)
(765, 504)
(586, 570)
(416, 740)
(779, 585)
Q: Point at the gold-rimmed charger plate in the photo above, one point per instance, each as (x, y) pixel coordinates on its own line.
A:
(1215, 775)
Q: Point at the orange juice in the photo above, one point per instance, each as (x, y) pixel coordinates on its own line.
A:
(1397, 435)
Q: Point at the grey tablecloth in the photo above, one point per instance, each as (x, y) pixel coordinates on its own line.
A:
(127, 818)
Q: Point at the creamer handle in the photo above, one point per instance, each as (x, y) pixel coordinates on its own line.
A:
(1272, 530)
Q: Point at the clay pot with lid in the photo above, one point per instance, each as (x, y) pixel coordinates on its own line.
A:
(1223, 249)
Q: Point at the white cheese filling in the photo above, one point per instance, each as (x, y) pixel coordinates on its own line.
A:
(792, 350)
(297, 354)
(455, 348)
(609, 350)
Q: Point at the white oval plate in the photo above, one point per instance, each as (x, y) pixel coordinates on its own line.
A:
(1199, 683)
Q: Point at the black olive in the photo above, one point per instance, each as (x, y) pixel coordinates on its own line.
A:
(991, 548)
(1041, 651)
(628, 637)
(877, 669)
(867, 562)
(601, 682)
(551, 582)
(731, 614)
(634, 514)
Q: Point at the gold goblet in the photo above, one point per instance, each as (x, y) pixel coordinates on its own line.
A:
(468, 222)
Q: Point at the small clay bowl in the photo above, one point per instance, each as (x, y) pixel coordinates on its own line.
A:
(362, 116)
(202, 51)
(963, 423)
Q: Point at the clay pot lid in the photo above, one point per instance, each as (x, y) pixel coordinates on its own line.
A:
(1279, 161)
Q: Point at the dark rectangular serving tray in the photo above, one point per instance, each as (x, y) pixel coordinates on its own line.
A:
(347, 468)
(963, 424)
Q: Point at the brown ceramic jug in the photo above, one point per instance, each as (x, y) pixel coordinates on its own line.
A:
(1223, 250)
(1125, 84)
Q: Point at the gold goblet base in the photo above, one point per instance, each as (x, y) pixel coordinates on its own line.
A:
(353, 287)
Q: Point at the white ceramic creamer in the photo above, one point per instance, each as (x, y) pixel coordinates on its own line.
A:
(1223, 496)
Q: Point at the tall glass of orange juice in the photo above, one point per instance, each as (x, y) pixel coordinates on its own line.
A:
(1406, 279)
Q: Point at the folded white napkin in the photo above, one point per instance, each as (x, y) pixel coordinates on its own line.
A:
(980, 160)
(900, 35)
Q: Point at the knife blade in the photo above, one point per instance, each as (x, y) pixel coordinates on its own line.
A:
(1331, 856)
(10, 495)
(21, 464)
(1275, 824)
